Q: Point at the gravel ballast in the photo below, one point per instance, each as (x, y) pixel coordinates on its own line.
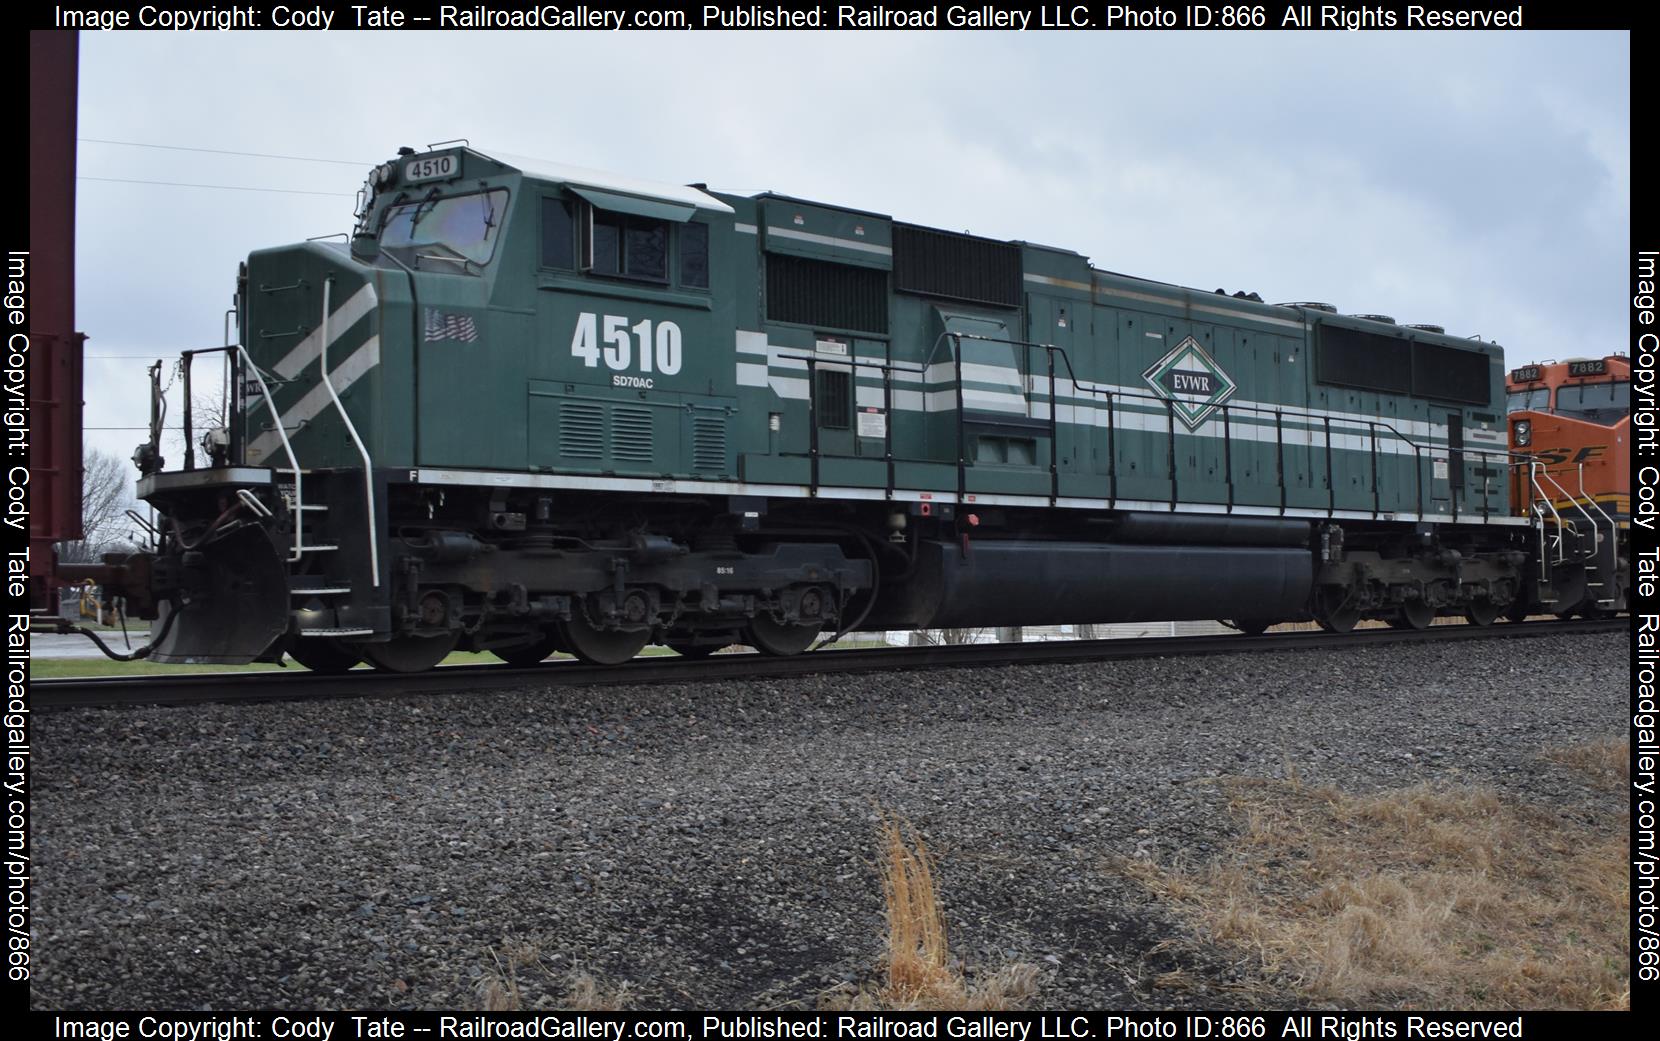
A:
(714, 845)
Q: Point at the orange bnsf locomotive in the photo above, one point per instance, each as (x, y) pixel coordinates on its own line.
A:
(1570, 431)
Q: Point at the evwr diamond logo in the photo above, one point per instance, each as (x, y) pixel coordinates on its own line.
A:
(1191, 380)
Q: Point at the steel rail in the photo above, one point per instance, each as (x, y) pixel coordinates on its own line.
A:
(275, 686)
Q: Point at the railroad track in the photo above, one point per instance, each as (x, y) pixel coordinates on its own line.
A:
(274, 686)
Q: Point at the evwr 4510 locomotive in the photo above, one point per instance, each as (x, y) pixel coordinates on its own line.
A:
(525, 409)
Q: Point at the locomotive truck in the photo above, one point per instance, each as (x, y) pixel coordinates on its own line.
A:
(527, 409)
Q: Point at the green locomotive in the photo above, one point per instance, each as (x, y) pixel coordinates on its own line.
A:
(568, 410)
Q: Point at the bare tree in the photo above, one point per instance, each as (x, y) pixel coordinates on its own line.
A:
(106, 494)
(944, 637)
(209, 404)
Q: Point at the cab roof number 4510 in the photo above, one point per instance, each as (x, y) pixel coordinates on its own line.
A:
(430, 168)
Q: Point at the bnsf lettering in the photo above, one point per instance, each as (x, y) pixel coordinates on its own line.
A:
(1558, 456)
(659, 351)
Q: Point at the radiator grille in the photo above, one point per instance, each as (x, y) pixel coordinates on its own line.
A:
(631, 434)
(830, 296)
(581, 430)
(1449, 374)
(1364, 361)
(709, 443)
(962, 267)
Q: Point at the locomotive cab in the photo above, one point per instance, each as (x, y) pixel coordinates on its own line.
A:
(1570, 432)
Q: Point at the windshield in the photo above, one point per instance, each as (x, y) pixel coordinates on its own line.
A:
(1537, 399)
(1597, 402)
(467, 225)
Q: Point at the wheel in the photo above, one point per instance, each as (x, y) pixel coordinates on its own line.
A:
(1414, 614)
(601, 646)
(1249, 626)
(1481, 612)
(780, 641)
(525, 655)
(1335, 609)
(1342, 620)
(410, 653)
(692, 650)
(323, 655)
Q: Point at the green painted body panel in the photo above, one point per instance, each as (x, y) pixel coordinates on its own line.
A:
(514, 365)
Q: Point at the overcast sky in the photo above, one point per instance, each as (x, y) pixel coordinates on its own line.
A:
(1479, 181)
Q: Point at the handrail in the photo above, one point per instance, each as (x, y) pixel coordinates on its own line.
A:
(298, 548)
(239, 353)
(1570, 497)
(1533, 468)
(351, 428)
(1613, 531)
(1109, 398)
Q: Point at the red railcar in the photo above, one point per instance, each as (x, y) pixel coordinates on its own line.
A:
(54, 348)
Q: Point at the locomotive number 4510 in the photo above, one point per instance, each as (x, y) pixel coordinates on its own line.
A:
(659, 351)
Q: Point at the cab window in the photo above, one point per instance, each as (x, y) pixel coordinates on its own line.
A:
(457, 230)
(558, 233)
(1596, 402)
(694, 255)
(577, 235)
(626, 246)
(1535, 400)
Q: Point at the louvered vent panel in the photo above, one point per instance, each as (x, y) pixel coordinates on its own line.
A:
(581, 430)
(631, 434)
(830, 296)
(962, 267)
(709, 443)
(835, 399)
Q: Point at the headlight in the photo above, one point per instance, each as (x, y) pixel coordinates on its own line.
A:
(1523, 432)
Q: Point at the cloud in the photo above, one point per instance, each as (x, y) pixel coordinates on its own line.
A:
(1476, 180)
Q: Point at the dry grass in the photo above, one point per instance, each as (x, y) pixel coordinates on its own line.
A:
(919, 972)
(1606, 762)
(499, 989)
(1450, 898)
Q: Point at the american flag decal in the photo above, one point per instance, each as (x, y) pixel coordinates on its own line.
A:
(442, 326)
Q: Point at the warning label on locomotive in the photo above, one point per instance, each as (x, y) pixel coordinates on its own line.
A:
(873, 423)
(1192, 381)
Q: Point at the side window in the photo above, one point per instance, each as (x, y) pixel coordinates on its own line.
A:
(694, 255)
(558, 233)
(629, 247)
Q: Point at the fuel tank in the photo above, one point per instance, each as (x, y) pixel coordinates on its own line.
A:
(1017, 582)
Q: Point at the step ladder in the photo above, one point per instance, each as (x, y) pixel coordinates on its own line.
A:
(300, 547)
(325, 589)
(1600, 559)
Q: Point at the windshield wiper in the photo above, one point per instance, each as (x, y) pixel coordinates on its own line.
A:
(426, 206)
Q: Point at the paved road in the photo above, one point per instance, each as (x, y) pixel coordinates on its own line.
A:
(51, 645)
